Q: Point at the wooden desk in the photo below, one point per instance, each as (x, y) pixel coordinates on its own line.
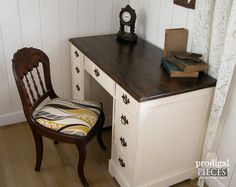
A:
(158, 122)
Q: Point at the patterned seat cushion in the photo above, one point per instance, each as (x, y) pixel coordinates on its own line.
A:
(71, 117)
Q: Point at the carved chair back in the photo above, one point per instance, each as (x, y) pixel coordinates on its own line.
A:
(33, 86)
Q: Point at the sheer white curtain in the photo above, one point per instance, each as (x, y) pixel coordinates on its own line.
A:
(215, 38)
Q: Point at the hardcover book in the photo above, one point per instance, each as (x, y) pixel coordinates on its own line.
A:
(187, 65)
(175, 40)
(174, 71)
(187, 56)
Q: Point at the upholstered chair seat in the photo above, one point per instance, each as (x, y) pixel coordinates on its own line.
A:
(73, 117)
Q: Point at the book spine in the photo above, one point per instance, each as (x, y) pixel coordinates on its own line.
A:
(165, 66)
(174, 71)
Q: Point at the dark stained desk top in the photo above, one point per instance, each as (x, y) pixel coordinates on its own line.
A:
(136, 67)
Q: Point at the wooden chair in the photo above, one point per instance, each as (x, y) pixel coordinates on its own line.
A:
(46, 120)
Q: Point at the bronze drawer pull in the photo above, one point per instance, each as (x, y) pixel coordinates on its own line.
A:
(125, 99)
(124, 120)
(76, 54)
(121, 161)
(123, 142)
(96, 72)
(77, 87)
(77, 69)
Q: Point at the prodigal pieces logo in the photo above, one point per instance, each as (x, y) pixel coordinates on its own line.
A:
(212, 168)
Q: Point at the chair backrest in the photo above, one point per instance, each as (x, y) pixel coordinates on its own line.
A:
(33, 86)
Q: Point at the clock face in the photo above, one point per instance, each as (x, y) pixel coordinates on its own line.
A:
(126, 16)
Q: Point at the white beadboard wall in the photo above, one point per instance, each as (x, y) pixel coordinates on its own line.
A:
(49, 24)
(154, 16)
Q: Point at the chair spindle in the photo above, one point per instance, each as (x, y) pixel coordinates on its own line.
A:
(30, 89)
(40, 80)
(35, 85)
(26, 92)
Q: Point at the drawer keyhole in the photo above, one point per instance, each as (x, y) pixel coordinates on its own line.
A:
(121, 161)
(76, 54)
(77, 87)
(125, 99)
(123, 142)
(96, 72)
(77, 69)
(124, 120)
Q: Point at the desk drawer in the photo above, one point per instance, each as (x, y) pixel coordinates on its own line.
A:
(126, 122)
(78, 90)
(125, 143)
(77, 71)
(127, 101)
(76, 55)
(124, 166)
(100, 76)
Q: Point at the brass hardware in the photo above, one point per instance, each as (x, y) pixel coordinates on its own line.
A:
(125, 99)
(123, 142)
(121, 161)
(77, 87)
(96, 72)
(76, 54)
(124, 120)
(77, 69)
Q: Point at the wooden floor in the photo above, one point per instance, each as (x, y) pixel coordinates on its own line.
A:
(59, 166)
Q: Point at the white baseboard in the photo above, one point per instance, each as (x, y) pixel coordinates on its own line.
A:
(11, 118)
(214, 182)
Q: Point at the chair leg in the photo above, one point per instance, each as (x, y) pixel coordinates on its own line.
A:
(39, 150)
(99, 138)
(99, 133)
(82, 157)
(56, 142)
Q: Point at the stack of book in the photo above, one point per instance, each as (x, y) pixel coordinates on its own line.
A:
(183, 64)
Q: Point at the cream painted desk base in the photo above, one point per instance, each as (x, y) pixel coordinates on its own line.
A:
(154, 143)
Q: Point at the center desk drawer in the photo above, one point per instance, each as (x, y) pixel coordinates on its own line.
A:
(100, 76)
